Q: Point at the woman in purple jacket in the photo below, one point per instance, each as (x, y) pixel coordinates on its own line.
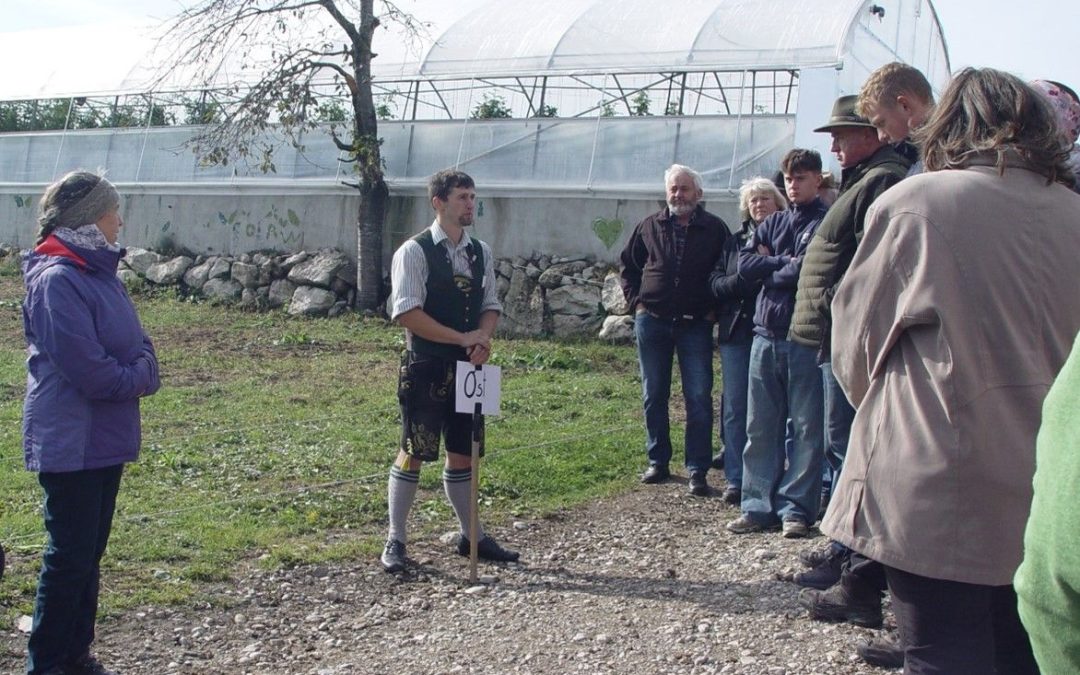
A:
(88, 364)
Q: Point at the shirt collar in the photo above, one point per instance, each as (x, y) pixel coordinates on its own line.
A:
(438, 236)
(802, 210)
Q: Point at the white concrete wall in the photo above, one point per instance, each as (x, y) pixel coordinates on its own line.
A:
(237, 218)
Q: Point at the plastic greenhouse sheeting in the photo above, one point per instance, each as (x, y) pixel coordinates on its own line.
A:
(592, 154)
(469, 38)
(612, 36)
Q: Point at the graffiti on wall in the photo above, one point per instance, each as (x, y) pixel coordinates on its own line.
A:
(607, 230)
(276, 230)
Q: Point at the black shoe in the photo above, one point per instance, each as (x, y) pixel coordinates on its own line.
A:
(732, 495)
(656, 473)
(393, 556)
(815, 558)
(823, 576)
(699, 487)
(835, 605)
(883, 652)
(86, 665)
(717, 461)
(487, 549)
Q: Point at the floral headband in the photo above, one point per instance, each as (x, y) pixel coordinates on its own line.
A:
(1066, 108)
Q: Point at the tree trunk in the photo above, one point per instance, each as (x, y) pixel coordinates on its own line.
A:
(369, 246)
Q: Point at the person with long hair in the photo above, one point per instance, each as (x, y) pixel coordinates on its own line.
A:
(956, 314)
(90, 361)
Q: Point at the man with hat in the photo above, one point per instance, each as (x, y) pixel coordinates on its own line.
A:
(870, 166)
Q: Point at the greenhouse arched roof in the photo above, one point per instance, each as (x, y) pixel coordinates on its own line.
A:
(495, 38)
(600, 36)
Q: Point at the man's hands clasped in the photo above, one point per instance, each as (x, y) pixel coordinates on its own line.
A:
(477, 346)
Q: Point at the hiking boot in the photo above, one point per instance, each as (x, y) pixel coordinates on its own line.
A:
(824, 576)
(732, 495)
(835, 605)
(744, 524)
(883, 652)
(699, 487)
(795, 528)
(487, 549)
(393, 556)
(656, 473)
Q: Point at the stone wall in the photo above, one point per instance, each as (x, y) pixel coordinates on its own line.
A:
(314, 284)
(562, 296)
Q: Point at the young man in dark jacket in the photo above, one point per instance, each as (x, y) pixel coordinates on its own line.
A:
(784, 378)
(665, 278)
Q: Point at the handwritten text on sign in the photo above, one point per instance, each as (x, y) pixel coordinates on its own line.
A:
(474, 386)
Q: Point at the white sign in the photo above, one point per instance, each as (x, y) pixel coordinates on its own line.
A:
(481, 386)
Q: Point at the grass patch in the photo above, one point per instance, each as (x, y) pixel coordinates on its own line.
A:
(270, 441)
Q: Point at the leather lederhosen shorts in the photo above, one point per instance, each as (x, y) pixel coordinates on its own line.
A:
(426, 395)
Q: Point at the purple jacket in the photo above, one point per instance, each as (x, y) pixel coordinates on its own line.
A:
(89, 360)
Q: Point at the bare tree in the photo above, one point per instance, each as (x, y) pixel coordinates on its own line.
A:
(292, 55)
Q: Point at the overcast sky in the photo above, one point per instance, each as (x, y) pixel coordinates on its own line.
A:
(1032, 38)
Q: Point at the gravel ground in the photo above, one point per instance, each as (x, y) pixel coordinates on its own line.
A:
(645, 582)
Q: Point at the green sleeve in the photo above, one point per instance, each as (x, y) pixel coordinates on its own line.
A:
(1048, 581)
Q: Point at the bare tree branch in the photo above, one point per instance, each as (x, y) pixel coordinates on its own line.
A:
(279, 65)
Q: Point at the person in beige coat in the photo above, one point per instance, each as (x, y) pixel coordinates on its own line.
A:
(958, 310)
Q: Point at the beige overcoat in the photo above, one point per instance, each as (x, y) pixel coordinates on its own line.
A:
(956, 314)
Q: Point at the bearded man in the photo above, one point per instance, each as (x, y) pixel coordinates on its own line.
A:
(665, 278)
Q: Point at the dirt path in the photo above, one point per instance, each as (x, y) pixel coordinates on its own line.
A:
(646, 582)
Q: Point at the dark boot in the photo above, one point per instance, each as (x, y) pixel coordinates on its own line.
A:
(836, 605)
(883, 652)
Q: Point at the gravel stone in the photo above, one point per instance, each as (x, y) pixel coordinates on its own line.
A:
(645, 582)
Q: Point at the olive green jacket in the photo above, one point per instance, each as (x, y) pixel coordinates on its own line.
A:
(834, 243)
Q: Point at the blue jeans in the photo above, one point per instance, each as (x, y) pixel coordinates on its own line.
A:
(78, 514)
(735, 367)
(658, 341)
(784, 382)
(838, 418)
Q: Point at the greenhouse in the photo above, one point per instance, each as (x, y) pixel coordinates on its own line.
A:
(566, 112)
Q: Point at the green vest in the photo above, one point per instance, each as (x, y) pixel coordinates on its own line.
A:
(452, 300)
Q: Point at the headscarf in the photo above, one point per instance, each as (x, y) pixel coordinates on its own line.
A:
(1066, 108)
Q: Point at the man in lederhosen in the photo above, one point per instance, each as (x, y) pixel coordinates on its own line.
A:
(444, 295)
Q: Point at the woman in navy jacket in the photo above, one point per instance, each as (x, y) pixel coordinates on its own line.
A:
(89, 361)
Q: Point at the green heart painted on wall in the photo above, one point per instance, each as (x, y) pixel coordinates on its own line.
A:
(607, 230)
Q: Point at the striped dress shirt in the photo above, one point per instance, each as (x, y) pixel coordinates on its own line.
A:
(409, 271)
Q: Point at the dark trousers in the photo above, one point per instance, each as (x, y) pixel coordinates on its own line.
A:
(953, 628)
(78, 518)
(861, 578)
